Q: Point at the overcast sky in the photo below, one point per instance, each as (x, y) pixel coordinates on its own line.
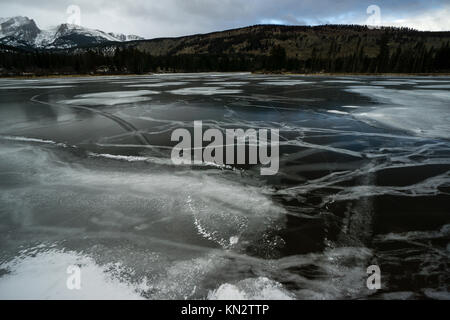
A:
(163, 18)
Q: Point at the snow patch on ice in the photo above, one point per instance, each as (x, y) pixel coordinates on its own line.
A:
(251, 289)
(207, 91)
(25, 139)
(341, 81)
(434, 86)
(337, 112)
(110, 98)
(34, 87)
(43, 276)
(286, 82)
(421, 112)
(392, 83)
(105, 101)
(228, 83)
(118, 94)
(157, 85)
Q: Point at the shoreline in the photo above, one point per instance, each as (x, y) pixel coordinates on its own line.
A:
(255, 73)
(331, 74)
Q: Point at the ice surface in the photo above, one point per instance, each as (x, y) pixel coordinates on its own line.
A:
(422, 112)
(110, 98)
(286, 82)
(435, 86)
(33, 87)
(156, 85)
(337, 112)
(207, 91)
(118, 94)
(125, 204)
(228, 83)
(346, 265)
(25, 139)
(104, 101)
(393, 83)
(143, 227)
(430, 80)
(341, 81)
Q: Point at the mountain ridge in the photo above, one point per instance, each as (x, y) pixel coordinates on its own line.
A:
(22, 32)
(258, 48)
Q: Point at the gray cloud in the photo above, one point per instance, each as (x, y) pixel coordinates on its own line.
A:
(155, 18)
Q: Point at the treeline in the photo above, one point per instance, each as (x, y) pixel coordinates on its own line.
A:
(415, 59)
(127, 60)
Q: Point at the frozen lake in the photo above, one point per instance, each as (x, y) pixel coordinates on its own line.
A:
(86, 179)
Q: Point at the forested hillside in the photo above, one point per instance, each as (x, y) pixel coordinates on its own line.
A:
(263, 48)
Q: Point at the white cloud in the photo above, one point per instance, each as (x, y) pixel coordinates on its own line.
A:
(433, 20)
(156, 18)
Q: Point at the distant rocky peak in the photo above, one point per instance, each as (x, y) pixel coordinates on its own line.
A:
(23, 32)
(19, 27)
(123, 37)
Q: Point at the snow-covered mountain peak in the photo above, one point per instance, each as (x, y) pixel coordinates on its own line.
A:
(20, 28)
(23, 32)
(15, 21)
